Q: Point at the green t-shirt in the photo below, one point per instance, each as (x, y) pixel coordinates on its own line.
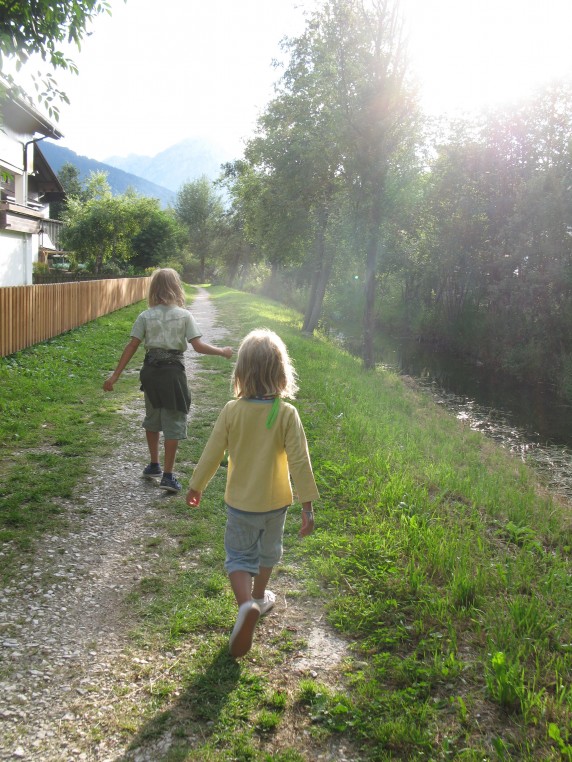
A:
(165, 327)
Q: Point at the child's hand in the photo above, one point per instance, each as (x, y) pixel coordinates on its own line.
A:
(109, 383)
(307, 521)
(193, 498)
(227, 352)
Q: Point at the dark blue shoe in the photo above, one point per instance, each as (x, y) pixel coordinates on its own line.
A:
(170, 484)
(152, 470)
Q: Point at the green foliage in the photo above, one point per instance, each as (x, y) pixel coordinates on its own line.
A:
(199, 209)
(487, 271)
(564, 745)
(40, 268)
(331, 150)
(69, 177)
(41, 27)
(116, 233)
(52, 418)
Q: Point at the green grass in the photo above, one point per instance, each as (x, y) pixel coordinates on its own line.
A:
(436, 554)
(54, 416)
(440, 556)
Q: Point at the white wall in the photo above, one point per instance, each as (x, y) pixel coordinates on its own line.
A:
(16, 251)
(11, 150)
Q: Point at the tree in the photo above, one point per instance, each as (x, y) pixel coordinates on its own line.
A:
(379, 115)
(297, 154)
(199, 208)
(41, 27)
(160, 238)
(116, 233)
(491, 269)
(69, 178)
(342, 124)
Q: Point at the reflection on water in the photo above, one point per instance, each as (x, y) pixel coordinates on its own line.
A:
(530, 421)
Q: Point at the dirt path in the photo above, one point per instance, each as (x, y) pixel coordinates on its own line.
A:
(66, 655)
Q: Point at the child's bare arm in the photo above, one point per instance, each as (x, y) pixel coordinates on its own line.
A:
(208, 349)
(127, 354)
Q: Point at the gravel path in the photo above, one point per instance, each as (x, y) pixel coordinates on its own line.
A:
(65, 649)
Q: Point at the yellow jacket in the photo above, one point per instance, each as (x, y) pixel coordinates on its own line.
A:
(260, 460)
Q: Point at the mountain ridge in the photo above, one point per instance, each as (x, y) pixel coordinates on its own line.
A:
(119, 180)
(160, 176)
(176, 165)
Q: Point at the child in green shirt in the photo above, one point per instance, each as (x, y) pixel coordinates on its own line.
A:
(166, 328)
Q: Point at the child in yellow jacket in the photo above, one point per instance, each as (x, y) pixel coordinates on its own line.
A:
(266, 445)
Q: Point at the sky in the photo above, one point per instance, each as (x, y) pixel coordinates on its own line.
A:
(157, 72)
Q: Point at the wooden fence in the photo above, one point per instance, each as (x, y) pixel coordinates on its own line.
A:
(31, 314)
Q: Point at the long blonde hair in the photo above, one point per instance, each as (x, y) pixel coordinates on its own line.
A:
(166, 288)
(263, 367)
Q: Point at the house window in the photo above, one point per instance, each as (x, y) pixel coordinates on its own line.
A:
(7, 185)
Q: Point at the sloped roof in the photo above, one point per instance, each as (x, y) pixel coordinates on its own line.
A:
(46, 179)
(22, 116)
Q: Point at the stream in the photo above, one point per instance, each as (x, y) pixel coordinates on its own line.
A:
(529, 421)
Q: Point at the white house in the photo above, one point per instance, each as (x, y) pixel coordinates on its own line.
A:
(28, 184)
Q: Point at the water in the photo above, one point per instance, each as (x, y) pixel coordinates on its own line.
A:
(529, 421)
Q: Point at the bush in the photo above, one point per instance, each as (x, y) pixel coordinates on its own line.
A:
(40, 268)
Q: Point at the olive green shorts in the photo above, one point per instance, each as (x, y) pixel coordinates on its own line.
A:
(173, 423)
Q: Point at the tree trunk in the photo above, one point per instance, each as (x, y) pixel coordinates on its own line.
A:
(311, 298)
(370, 273)
(313, 314)
(320, 277)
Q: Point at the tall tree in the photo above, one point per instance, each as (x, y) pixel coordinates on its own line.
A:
(337, 128)
(379, 115)
(199, 208)
(298, 148)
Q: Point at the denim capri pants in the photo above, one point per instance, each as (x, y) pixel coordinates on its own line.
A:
(252, 540)
(173, 423)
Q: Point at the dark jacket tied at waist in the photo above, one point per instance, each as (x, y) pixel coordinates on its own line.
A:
(164, 380)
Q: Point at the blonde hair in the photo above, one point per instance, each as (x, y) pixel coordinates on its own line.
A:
(263, 367)
(166, 288)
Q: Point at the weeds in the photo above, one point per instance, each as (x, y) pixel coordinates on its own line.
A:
(435, 554)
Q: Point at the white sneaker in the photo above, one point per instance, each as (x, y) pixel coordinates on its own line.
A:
(243, 632)
(266, 603)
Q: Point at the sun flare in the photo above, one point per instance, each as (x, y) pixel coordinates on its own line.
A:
(469, 55)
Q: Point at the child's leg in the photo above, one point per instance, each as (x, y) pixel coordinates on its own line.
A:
(153, 444)
(241, 543)
(174, 425)
(243, 587)
(171, 446)
(270, 551)
(241, 583)
(260, 582)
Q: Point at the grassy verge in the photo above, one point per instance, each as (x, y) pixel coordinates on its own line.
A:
(436, 555)
(53, 418)
(440, 557)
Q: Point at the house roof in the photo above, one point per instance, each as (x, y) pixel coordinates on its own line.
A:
(47, 181)
(21, 115)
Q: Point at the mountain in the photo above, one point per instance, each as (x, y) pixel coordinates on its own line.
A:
(179, 164)
(118, 179)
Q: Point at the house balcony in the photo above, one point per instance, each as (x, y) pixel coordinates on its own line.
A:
(19, 219)
(26, 219)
